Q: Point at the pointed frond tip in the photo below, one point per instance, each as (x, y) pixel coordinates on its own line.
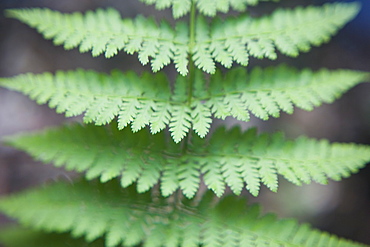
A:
(229, 158)
(225, 42)
(125, 218)
(148, 100)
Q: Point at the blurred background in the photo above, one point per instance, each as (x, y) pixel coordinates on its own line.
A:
(342, 208)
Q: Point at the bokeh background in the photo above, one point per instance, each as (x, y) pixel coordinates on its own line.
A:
(342, 208)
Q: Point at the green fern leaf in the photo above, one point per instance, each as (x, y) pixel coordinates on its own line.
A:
(103, 97)
(201, 118)
(160, 117)
(230, 170)
(206, 7)
(180, 122)
(202, 56)
(289, 31)
(129, 218)
(213, 177)
(20, 237)
(169, 180)
(128, 111)
(180, 7)
(266, 92)
(226, 41)
(229, 158)
(105, 32)
(188, 177)
(149, 176)
(251, 176)
(181, 52)
(117, 209)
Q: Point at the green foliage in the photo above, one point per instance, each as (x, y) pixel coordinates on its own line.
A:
(226, 41)
(140, 171)
(148, 100)
(94, 210)
(206, 7)
(105, 32)
(19, 237)
(228, 158)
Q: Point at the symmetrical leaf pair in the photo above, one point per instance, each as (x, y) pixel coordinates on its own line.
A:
(128, 216)
(228, 158)
(124, 217)
(148, 100)
(227, 41)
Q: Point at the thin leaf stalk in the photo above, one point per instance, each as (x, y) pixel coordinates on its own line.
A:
(191, 75)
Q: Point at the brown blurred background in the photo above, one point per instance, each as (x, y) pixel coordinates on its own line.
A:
(342, 207)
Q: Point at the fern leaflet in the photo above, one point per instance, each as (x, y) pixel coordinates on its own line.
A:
(122, 216)
(140, 102)
(268, 91)
(206, 7)
(20, 237)
(289, 31)
(103, 31)
(102, 97)
(228, 158)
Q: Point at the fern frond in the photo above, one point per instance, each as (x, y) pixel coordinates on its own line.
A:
(202, 56)
(127, 218)
(147, 100)
(136, 100)
(206, 7)
(228, 158)
(20, 237)
(289, 31)
(266, 92)
(105, 32)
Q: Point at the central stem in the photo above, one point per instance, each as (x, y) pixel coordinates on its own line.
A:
(191, 75)
(191, 47)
